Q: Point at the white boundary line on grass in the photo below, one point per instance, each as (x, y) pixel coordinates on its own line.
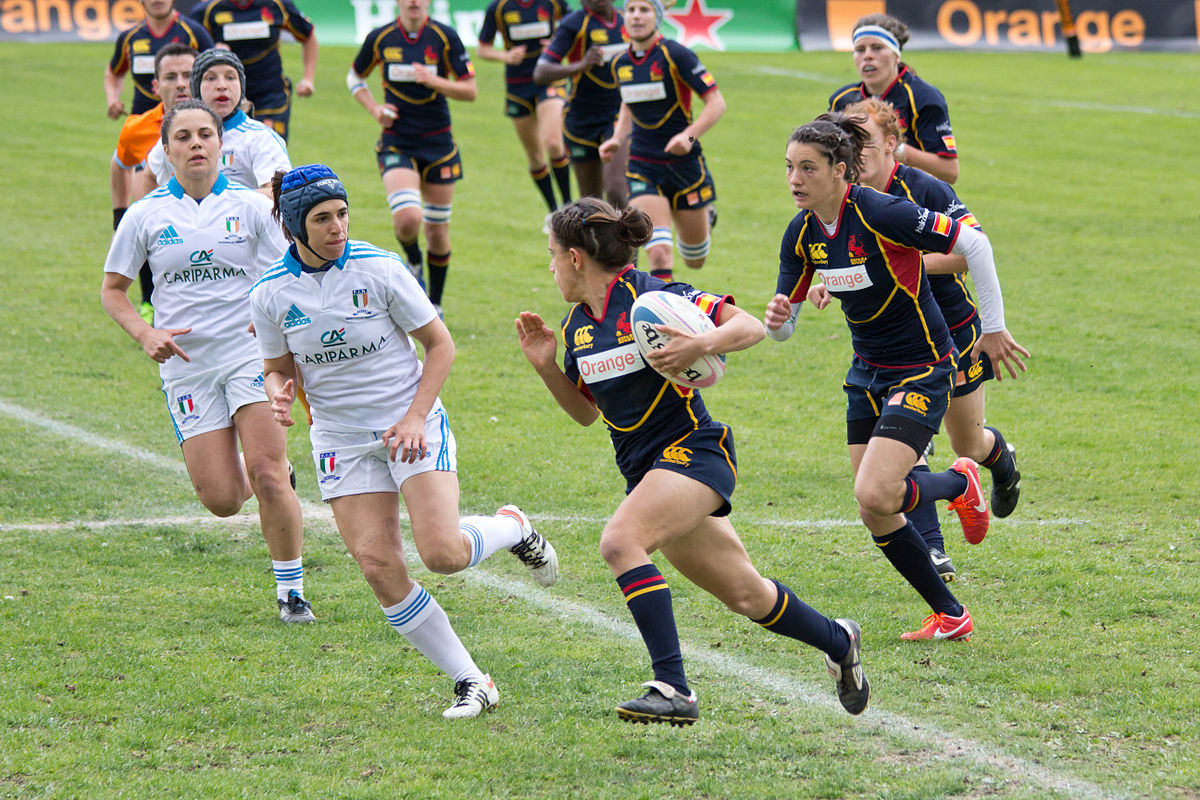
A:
(945, 745)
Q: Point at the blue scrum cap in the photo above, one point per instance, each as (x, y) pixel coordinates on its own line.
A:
(303, 188)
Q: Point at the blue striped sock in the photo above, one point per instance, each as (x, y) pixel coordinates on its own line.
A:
(289, 575)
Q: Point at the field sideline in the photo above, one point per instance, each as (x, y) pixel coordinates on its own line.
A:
(142, 656)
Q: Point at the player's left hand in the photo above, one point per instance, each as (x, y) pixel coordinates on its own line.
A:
(304, 88)
(537, 340)
(422, 74)
(515, 56)
(406, 438)
(281, 403)
(1001, 348)
(679, 353)
(680, 144)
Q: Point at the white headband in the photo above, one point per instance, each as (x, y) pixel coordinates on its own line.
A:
(877, 32)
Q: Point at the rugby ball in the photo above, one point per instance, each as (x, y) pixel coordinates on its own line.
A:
(674, 311)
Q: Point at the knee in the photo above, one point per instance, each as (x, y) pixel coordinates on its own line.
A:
(220, 503)
(379, 567)
(616, 547)
(876, 500)
(406, 224)
(750, 599)
(444, 561)
(437, 237)
(269, 481)
(694, 255)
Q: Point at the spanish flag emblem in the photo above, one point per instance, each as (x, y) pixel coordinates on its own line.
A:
(941, 224)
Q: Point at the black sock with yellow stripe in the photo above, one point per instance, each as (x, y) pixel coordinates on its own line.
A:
(439, 265)
(794, 618)
(562, 176)
(541, 178)
(649, 601)
(910, 556)
(999, 461)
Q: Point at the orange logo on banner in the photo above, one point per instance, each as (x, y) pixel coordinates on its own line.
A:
(842, 14)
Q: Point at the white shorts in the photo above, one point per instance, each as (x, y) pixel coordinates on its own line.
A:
(358, 463)
(208, 400)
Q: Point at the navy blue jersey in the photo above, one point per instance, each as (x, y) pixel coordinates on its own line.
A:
(423, 111)
(593, 92)
(657, 87)
(872, 264)
(920, 108)
(644, 411)
(950, 291)
(251, 29)
(135, 53)
(527, 22)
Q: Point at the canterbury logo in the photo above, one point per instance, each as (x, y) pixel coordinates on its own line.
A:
(677, 455)
(583, 336)
(818, 252)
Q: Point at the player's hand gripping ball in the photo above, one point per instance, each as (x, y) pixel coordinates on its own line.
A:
(664, 308)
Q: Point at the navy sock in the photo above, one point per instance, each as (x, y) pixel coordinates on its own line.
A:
(794, 618)
(924, 519)
(541, 178)
(439, 265)
(999, 462)
(909, 555)
(412, 252)
(562, 176)
(649, 600)
(926, 487)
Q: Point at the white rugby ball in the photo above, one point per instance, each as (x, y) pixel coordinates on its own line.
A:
(665, 308)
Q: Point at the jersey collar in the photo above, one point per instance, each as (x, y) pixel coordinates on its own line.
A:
(293, 264)
(234, 119)
(607, 296)
(862, 87)
(176, 188)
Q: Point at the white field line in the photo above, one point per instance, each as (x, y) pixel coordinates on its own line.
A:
(942, 744)
(835, 81)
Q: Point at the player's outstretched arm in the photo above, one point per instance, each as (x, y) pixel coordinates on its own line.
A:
(538, 345)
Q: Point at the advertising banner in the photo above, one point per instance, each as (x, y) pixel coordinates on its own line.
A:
(1102, 25)
(734, 25)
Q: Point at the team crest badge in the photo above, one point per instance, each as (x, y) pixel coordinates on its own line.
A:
(359, 298)
(327, 463)
(233, 224)
(186, 406)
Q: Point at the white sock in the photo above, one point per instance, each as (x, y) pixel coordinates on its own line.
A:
(288, 575)
(486, 535)
(420, 620)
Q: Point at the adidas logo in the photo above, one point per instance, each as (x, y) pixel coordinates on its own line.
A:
(295, 318)
(169, 236)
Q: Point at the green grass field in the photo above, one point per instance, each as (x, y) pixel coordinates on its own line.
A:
(141, 655)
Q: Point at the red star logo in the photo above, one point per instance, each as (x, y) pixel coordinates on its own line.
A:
(697, 25)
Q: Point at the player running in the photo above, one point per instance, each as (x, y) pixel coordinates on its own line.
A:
(589, 39)
(667, 176)
(678, 463)
(207, 241)
(139, 133)
(423, 63)
(536, 111)
(866, 248)
(964, 420)
(340, 313)
(251, 152)
(928, 139)
(251, 29)
(135, 51)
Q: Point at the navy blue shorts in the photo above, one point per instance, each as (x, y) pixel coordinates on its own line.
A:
(521, 99)
(705, 455)
(435, 158)
(685, 183)
(919, 393)
(274, 108)
(585, 135)
(971, 373)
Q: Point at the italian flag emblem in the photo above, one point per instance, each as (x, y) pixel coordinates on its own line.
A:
(327, 463)
(185, 404)
(232, 224)
(359, 298)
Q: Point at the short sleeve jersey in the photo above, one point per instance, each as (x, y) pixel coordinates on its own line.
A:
(657, 87)
(205, 256)
(251, 29)
(920, 108)
(135, 51)
(872, 264)
(423, 111)
(593, 92)
(250, 153)
(138, 134)
(950, 291)
(348, 334)
(521, 22)
(644, 411)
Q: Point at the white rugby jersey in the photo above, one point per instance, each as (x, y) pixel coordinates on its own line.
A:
(250, 153)
(205, 256)
(348, 334)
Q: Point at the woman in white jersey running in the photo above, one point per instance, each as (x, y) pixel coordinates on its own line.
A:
(251, 152)
(207, 240)
(342, 315)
